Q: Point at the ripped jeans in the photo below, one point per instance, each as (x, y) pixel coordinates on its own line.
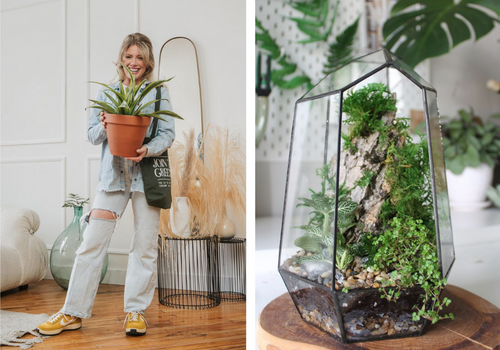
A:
(141, 270)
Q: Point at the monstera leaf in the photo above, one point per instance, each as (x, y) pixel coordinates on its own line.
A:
(421, 33)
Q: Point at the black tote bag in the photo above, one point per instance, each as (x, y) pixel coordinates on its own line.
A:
(156, 172)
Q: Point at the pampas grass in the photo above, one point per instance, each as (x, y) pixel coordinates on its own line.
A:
(223, 179)
(212, 183)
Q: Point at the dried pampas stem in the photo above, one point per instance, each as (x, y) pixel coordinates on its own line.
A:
(212, 184)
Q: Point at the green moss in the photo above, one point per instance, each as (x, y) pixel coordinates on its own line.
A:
(366, 179)
(365, 108)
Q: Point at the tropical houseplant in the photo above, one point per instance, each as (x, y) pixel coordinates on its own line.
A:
(128, 120)
(435, 27)
(471, 150)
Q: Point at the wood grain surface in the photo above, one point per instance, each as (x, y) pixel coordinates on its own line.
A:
(222, 327)
(476, 326)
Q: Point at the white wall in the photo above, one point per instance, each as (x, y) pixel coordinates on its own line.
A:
(460, 76)
(50, 49)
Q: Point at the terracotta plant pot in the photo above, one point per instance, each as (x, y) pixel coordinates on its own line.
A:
(126, 133)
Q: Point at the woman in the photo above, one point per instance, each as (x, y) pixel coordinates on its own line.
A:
(120, 179)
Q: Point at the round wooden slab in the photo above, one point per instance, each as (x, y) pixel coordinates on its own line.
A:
(476, 326)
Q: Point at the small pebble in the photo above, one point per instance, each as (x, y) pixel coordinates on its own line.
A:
(376, 285)
(301, 253)
(413, 328)
(351, 280)
(327, 274)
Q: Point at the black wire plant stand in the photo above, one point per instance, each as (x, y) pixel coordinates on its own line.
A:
(232, 269)
(188, 272)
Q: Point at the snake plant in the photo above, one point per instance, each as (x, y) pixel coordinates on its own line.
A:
(127, 101)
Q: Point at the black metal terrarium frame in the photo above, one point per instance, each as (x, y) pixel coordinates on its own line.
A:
(327, 308)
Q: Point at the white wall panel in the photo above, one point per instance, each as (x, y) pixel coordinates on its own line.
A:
(217, 28)
(38, 184)
(34, 73)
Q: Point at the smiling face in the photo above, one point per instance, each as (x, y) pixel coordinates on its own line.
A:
(135, 61)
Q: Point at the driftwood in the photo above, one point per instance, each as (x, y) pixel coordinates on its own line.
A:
(371, 155)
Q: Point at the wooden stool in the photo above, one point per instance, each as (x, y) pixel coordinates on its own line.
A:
(476, 326)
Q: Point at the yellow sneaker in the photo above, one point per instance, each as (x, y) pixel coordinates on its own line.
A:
(58, 323)
(136, 324)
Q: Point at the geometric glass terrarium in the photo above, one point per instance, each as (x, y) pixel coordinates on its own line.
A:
(366, 237)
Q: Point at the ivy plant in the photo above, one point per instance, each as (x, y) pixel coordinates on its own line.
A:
(469, 142)
(408, 249)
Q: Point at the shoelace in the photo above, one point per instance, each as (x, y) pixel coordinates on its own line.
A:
(134, 316)
(56, 317)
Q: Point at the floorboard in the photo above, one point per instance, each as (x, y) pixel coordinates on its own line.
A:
(219, 328)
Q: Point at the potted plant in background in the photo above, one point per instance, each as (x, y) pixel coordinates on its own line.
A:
(471, 150)
(128, 119)
(63, 252)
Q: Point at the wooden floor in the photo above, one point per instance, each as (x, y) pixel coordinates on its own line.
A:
(218, 328)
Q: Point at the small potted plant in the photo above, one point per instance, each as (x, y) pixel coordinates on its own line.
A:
(471, 150)
(126, 117)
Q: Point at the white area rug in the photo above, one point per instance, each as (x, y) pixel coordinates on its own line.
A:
(14, 325)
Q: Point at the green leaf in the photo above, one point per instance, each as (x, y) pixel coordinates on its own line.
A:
(340, 51)
(421, 34)
(456, 165)
(157, 114)
(465, 116)
(347, 207)
(104, 106)
(311, 8)
(474, 141)
(473, 158)
(138, 108)
(308, 243)
(294, 82)
(487, 139)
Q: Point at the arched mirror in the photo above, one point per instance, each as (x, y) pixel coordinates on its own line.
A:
(179, 59)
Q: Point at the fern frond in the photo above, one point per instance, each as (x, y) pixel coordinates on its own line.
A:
(340, 51)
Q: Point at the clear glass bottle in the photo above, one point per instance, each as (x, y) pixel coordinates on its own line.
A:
(63, 253)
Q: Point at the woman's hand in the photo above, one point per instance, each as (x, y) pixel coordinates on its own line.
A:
(103, 120)
(142, 152)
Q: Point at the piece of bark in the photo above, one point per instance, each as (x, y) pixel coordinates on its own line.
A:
(370, 156)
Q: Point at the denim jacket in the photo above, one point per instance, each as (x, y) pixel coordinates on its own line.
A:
(114, 168)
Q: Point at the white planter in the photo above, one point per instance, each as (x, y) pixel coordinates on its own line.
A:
(467, 191)
(226, 229)
(180, 216)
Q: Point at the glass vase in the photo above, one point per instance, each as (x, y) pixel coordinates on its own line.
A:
(63, 252)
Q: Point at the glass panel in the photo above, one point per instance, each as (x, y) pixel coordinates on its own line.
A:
(376, 57)
(367, 316)
(307, 241)
(342, 77)
(302, 248)
(445, 235)
(315, 305)
(410, 71)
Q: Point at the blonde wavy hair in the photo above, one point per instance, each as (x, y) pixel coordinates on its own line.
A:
(145, 48)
